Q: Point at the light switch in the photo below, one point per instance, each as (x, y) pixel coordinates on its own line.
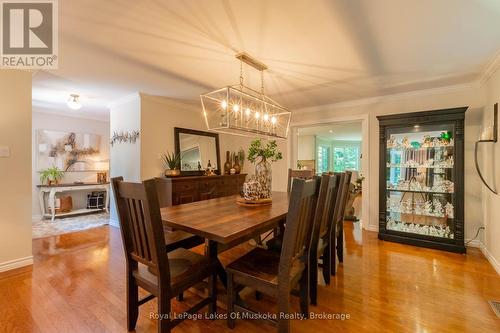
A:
(4, 151)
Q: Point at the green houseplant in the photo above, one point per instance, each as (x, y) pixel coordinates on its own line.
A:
(172, 163)
(51, 176)
(266, 153)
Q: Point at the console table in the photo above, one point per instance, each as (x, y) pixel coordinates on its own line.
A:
(53, 189)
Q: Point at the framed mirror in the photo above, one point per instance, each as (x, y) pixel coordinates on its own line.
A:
(197, 149)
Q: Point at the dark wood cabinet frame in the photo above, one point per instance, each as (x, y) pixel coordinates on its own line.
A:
(454, 117)
(178, 131)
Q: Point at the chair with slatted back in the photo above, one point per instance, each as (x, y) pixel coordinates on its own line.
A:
(273, 273)
(321, 236)
(302, 174)
(148, 265)
(338, 235)
(174, 239)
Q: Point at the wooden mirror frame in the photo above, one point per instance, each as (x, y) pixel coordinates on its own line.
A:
(178, 131)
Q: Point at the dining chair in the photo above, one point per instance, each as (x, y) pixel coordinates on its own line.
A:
(276, 274)
(338, 236)
(174, 239)
(303, 174)
(322, 232)
(148, 265)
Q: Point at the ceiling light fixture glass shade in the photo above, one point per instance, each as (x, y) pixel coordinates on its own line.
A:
(240, 110)
(74, 102)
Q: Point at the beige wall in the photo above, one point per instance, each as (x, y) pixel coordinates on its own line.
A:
(467, 95)
(15, 171)
(490, 165)
(57, 122)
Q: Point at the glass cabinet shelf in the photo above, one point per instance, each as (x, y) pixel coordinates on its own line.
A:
(417, 191)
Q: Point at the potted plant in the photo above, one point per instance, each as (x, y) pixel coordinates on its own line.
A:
(172, 164)
(51, 176)
(266, 154)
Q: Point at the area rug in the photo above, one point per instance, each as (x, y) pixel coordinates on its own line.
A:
(46, 228)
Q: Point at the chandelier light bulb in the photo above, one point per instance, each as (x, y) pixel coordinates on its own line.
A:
(236, 108)
(273, 120)
(223, 104)
(247, 112)
(257, 115)
(74, 102)
(266, 117)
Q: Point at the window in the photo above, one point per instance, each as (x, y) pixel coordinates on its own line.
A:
(323, 159)
(346, 158)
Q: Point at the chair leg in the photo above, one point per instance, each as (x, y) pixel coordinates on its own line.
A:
(333, 257)
(327, 264)
(304, 293)
(230, 301)
(164, 321)
(212, 293)
(340, 244)
(283, 309)
(313, 278)
(132, 303)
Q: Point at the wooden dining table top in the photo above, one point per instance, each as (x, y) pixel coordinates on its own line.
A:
(224, 221)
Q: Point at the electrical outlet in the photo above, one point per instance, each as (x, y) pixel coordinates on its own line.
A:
(4, 151)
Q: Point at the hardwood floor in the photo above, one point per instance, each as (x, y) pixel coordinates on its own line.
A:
(77, 285)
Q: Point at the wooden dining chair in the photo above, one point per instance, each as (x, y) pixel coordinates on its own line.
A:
(338, 236)
(276, 274)
(174, 239)
(322, 232)
(303, 174)
(148, 265)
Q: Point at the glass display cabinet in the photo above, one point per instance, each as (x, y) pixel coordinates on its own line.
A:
(421, 199)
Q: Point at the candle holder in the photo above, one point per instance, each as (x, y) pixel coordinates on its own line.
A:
(489, 135)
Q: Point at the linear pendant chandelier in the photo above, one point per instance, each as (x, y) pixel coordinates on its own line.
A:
(240, 110)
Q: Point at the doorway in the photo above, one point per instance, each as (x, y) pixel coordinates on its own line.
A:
(336, 147)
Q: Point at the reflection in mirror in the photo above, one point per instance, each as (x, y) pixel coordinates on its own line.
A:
(196, 152)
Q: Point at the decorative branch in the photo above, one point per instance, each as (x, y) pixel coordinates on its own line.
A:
(124, 137)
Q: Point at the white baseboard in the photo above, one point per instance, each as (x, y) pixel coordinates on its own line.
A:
(114, 223)
(371, 228)
(16, 263)
(473, 243)
(36, 217)
(491, 259)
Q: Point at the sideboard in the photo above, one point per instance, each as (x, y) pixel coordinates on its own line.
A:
(181, 190)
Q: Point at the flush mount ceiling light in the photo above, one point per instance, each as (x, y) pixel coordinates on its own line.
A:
(74, 102)
(240, 110)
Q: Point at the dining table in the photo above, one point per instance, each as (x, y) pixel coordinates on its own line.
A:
(224, 223)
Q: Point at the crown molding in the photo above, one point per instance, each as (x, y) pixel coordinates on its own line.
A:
(43, 109)
(491, 67)
(389, 97)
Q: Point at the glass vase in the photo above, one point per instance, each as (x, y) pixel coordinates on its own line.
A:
(263, 173)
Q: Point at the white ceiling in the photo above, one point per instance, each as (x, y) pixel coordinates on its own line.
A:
(318, 51)
(350, 131)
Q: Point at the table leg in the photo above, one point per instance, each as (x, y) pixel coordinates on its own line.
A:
(107, 200)
(211, 252)
(42, 202)
(52, 204)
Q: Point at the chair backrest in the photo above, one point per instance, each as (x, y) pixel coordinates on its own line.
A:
(141, 226)
(303, 174)
(164, 192)
(325, 209)
(344, 186)
(299, 225)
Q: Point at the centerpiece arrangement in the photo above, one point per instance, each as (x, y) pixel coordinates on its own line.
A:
(258, 188)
